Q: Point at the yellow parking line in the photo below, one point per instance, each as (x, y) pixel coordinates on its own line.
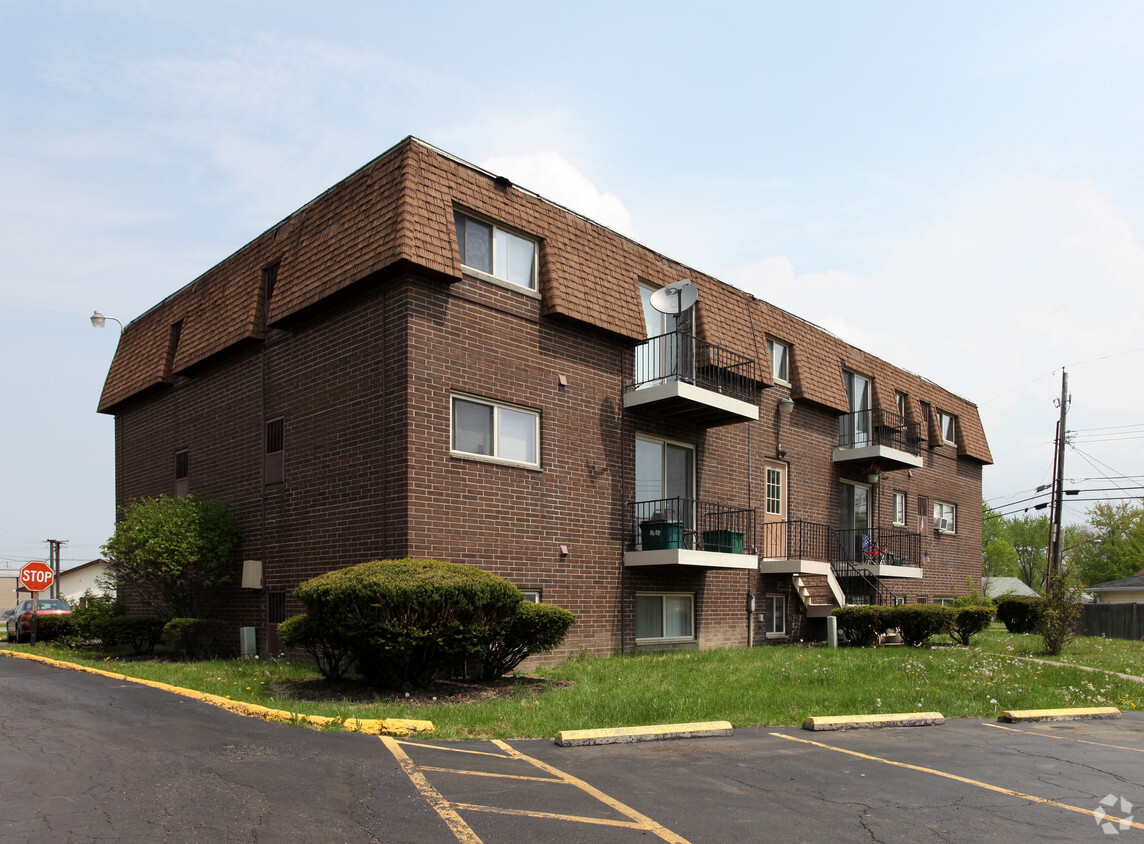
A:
(444, 809)
(550, 816)
(487, 774)
(987, 786)
(454, 749)
(644, 822)
(1063, 738)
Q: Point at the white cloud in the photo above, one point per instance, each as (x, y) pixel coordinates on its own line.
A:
(552, 176)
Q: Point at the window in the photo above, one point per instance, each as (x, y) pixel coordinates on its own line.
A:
(182, 472)
(776, 616)
(496, 431)
(274, 456)
(665, 615)
(944, 517)
(779, 353)
(901, 398)
(899, 508)
(945, 602)
(947, 423)
(774, 491)
(495, 252)
(532, 596)
(276, 607)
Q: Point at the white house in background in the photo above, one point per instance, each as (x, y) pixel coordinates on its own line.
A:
(1127, 590)
(995, 587)
(8, 581)
(75, 581)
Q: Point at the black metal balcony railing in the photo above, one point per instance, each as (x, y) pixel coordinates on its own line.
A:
(689, 524)
(887, 547)
(879, 427)
(681, 356)
(845, 550)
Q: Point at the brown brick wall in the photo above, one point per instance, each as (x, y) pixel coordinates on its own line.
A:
(363, 386)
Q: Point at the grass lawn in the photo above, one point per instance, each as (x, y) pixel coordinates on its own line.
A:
(756, 687)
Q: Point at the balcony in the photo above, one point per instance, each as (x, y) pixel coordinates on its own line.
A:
(878, 436)
(686, 532)
(857, 560)
(679, 376)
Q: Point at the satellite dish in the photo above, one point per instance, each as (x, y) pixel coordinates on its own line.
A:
(675, 298)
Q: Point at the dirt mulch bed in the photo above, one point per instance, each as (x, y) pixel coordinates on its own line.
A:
(440, 692)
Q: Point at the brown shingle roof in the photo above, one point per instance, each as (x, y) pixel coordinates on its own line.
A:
(398, 209)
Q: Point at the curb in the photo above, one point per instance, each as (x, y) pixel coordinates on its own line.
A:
(871, 722)
(399, 727)
(1091, 713)
(627, 735)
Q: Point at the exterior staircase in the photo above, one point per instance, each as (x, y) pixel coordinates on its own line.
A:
(820, 593)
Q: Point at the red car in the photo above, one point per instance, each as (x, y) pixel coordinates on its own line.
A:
(19, 621)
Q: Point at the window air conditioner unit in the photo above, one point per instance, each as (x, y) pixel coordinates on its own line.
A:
(941, 525)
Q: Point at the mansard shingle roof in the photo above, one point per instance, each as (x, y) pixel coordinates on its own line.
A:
(397, 212)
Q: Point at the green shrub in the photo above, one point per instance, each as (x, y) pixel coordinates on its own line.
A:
(1060, 612)
(1019, 613)
(532, 629)
(51, 628)
(91, 615)
(195, 638)
(329, 651)
(403, 620)
(918, 623)
(861, 623)
(141, 632)
(968, 621)
(974, 600)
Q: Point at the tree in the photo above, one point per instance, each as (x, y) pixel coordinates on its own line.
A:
(1120, 549)
(173, 553)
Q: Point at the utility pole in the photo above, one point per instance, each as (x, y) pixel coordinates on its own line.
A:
(54, 562)
(1054, 561)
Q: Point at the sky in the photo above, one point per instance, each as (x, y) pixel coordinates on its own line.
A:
(955, 187)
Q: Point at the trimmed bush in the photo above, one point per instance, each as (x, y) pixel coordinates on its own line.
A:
(532, 629)
(918, 623)
(141, 632)
(195, 638)
(968, 621)
(328, 650)
(1019, 613)
(403, 620)
(861, 623)
(50, 628)
(91, 613)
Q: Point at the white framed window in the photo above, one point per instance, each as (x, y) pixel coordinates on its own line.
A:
(495, 252)
(901, 400)
(532, 596)
(944, 517)
(774, 491)
(665, 615)
(776, 616)
(495, 431)
(945, 602)
(948, 424)
(779, 353)
(899, 508)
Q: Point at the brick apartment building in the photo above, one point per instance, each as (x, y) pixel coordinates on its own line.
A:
(428, 360)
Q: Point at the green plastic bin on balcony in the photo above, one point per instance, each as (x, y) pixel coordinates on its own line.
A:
(723, 541)
(656, 534)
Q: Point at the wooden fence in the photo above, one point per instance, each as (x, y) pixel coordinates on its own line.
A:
(1116, 621)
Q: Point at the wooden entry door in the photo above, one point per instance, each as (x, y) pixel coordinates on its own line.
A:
(775, 511)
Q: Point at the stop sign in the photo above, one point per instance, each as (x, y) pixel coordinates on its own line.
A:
(36, 576)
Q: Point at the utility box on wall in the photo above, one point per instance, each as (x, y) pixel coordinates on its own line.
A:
(247, 642)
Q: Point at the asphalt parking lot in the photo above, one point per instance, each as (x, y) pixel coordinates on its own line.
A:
(963, 781)
(91, 758)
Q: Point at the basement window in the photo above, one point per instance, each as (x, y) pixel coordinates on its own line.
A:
(665, 615)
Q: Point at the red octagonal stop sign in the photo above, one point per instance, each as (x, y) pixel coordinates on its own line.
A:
(36, 576)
